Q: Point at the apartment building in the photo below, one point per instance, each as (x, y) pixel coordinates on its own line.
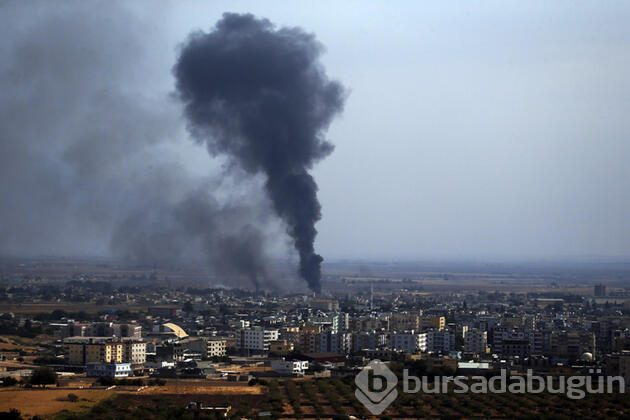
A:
(217, 347)
(440, 341)
(84, 350)
(432, 322)
(409, 342)
(404, 322)
(476, 341)
(256, 339)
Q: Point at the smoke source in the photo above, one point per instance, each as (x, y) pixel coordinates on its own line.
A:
(259, 95)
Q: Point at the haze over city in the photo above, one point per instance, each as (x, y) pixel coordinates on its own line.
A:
(323, 210)
(487, 132)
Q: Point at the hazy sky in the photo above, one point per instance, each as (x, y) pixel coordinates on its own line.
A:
(471, 130)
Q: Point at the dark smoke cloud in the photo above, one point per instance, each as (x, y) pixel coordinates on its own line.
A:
(88, 149)
(259, 95)
(225, 235)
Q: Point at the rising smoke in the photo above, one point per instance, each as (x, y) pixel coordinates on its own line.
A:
(95, 157)
(259, 95)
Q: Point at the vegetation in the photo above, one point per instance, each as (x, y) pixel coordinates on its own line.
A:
(335, 398)
(12, 414)
(8, 381)
(43, 376)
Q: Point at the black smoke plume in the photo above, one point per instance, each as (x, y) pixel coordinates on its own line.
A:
(94, 159)
(259, 95)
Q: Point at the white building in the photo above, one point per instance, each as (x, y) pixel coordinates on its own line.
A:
(289, 367)
(135, 351)
(108, 370)
(217, 347)
(256, 339)
(409, 342)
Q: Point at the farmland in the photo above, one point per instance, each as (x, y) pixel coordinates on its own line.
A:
(324, 398)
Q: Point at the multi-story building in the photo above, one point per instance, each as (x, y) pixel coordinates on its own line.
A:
(440, 341)
(110, 329)
(84, 350)
(256, 339)
(281, 347)
(476, 341)
(618, 364)
(217, 347)
(599, 290)
(369, 341)
(435, 322)
(409, 342)
(510, 342)
(309, 340)
(330, 342)
(325, 304)
(135, 352)
(572, 344)
(404, 322)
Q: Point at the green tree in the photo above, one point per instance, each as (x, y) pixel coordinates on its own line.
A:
(43, 376)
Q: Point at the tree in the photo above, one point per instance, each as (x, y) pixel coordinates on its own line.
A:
(73, 397)
(43, 376)
(12, 414)
(8, 381)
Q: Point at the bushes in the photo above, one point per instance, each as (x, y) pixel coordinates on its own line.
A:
(156, 382)
(43, 376)
(8, 381)
(294, 397)
(275, 398)
(73, 397)
(12, 414)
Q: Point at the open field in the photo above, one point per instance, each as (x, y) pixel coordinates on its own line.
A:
(49, 401)
(201, 386)
(324, 398)
(54, 400)
(13, 342)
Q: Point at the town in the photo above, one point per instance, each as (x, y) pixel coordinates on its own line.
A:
(110, 334)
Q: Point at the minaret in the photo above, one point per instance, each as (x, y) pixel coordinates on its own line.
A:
(371, 296)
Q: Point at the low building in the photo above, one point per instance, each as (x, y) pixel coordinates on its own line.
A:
(289, 367)
(195, 348)
(108, 370)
